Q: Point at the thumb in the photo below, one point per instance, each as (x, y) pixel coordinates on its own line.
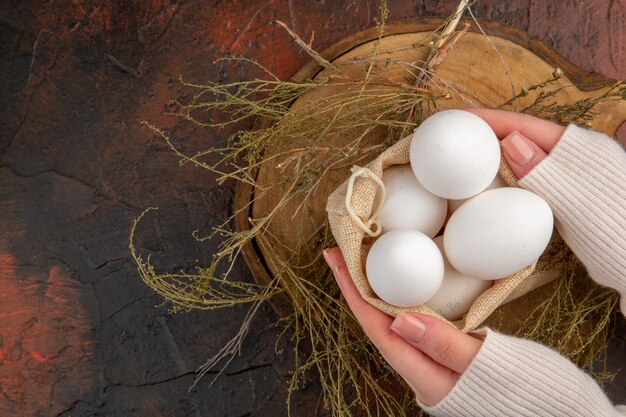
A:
(442, 342)
(521, 153)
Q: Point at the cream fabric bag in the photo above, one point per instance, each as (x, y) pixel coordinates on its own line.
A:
(351, 214)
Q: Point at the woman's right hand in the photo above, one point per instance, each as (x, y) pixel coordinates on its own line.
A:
(583, 183)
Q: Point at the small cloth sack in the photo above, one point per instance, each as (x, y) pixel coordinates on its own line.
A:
(351, 213)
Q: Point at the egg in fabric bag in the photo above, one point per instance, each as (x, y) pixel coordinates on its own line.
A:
(457, 291)
(404, 268)
(498, 233)
(408, 205)
(455, 154)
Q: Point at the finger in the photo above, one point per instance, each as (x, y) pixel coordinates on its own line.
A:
(442, 342)
(430, 381)
(374, 320)
(544, 133)
(521, 153)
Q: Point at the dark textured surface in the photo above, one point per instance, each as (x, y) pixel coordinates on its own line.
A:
(79, 332)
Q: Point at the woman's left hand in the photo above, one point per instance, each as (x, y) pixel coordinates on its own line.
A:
(428, 353)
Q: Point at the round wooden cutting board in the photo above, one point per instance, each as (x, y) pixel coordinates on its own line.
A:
(479, 71)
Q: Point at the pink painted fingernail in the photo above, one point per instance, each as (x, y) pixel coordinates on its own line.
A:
(334, 259)
(519, 149)
(409, 327)
(330, 260)
(341, 276)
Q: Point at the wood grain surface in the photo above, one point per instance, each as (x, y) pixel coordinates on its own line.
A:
(80, 334)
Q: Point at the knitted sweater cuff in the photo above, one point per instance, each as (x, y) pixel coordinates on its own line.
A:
(583, 179)
(516, 377)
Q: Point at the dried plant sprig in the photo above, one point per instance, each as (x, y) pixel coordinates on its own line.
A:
(557, 74)
(307, 47)
(380, 25)
(385, 104)
(581, 111)
(233, 347)
(442, 42)
(203, 290)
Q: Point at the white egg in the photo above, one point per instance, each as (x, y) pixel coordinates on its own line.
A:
(408, 205)
(404, 268)
(498, 233)
(455, 154)
(457, 291)
(497, 182)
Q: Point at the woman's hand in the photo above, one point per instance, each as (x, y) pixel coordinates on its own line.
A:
(584, 189)
(526, 140)
(428, 353)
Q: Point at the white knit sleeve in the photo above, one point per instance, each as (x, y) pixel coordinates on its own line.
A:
(583, 179)
(518, 378)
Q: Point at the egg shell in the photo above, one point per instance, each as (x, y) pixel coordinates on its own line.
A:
(457, 291)
(497, 182)
(454, 154)
(408, 205)
(498, 233)
(404, 268)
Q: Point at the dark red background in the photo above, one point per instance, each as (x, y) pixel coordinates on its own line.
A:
(80, 334)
